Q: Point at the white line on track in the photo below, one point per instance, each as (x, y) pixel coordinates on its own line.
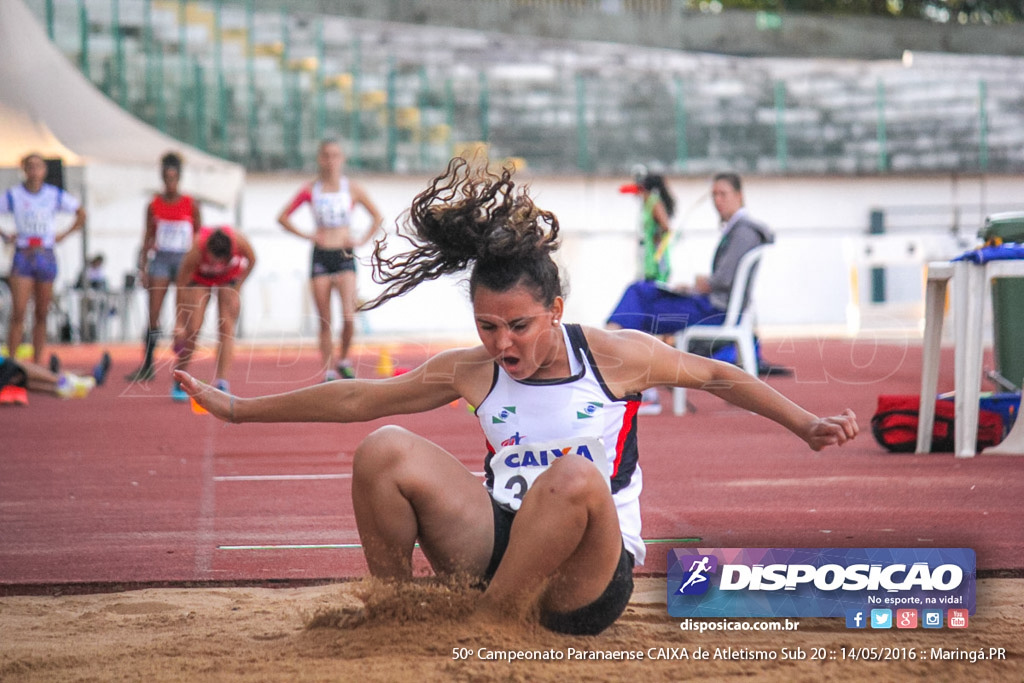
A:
(281, 477)
(292, 477)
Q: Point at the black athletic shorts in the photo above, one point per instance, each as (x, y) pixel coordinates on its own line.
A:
(588, 620)
(332, 261)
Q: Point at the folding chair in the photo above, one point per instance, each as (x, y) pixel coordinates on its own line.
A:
(738, 326)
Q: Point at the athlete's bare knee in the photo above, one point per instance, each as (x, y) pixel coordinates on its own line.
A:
(572, 479)
(382, 449)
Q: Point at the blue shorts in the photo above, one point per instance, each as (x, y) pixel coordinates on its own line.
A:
(650, 308)
(35, 262)
(164, 265)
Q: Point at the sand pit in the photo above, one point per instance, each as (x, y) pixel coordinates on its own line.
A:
(362, 631)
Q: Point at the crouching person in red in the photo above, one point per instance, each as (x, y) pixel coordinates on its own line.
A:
(219, 262)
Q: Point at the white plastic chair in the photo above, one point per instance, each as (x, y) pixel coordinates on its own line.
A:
(737, 327)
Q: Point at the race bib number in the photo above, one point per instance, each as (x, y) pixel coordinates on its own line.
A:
(35, 224)
(331, 213)
(517, 467)
(173, 235)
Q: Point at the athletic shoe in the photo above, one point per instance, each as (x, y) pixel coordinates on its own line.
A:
(223, 385)
(73, 386)
(650, 402)
(13, 396)
(143, 373)
(345, 371)
(178, 394)
(100, 370)
(331, 375)
(54, 364)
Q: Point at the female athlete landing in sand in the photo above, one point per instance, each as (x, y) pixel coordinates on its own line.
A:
(556, 526)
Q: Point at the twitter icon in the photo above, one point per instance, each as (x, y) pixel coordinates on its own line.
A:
(881, 618)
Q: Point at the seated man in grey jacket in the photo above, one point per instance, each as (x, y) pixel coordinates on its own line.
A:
(653, 308)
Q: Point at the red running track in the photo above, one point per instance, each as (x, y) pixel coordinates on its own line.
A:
(127, 487)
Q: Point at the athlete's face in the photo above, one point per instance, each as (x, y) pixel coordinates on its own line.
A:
(519, 332)
(726, 198)
(35, 170)
(330, 159)
(171, 178)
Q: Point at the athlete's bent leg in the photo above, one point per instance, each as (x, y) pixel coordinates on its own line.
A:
(565, 540)
(407, 489)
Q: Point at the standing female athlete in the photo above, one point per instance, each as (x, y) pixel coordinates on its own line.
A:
(332, 197)
(557, 524)
(172, 222)
(35, 205)
(220, 261)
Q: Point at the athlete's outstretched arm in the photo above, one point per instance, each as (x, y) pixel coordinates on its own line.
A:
(640, 361)
(429, 386)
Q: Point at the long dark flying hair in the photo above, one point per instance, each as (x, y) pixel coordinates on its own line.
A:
(467, 218)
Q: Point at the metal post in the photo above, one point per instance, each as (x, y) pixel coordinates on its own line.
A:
(287, 120)
(877, 274)
(320, 121)
(781, 144)
(983, 125)
(161, 93)
(682, 151)
(582, 142)
(50, 21)
(883, 152)
(218, 65)
(119, 74)
(147, 39)
(355, 124)
(421, 102)
(199, 130)
(250, 78)
(485, 115)
(83, 39)
(391, 139)
(449, 114)
(183, 66)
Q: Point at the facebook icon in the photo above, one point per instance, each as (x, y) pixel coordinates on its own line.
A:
(855, 618)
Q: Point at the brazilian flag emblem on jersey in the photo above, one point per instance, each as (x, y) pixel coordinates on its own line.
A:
(589, 410)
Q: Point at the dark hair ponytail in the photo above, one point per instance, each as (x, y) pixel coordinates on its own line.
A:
(471, 217)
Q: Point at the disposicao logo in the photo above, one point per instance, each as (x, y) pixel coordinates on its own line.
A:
(819, 582)
(696, 580)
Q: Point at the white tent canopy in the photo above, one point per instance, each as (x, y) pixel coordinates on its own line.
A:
(48, 106)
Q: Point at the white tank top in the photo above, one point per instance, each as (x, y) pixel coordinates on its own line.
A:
(528, 424)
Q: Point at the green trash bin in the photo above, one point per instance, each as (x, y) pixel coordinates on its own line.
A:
(1007, 301)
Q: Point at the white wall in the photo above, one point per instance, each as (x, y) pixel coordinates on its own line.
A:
(806, 280)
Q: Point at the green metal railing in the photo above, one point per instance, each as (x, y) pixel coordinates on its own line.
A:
(267, 103)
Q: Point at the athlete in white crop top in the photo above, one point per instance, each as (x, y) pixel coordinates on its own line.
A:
(332, 199)
(555, 528)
